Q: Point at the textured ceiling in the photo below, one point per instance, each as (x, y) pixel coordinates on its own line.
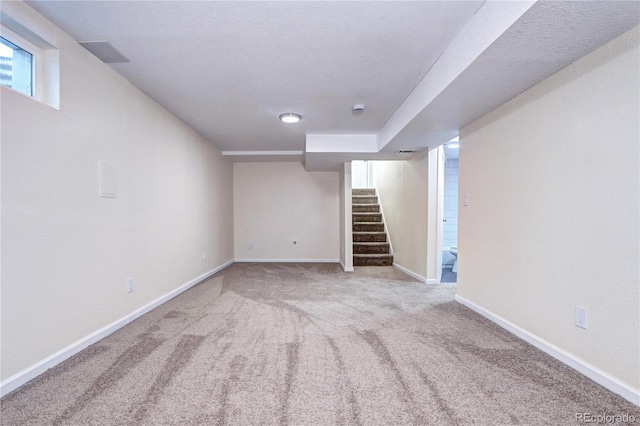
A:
(423, 69)
(228, 69)
(548, 37)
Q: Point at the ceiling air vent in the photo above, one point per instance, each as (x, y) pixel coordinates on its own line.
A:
(407, 151)
(104, 51)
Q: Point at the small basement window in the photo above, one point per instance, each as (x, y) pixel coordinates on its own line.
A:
(16, 67)
(28, 63)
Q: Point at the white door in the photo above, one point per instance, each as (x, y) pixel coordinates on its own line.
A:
(359, 174)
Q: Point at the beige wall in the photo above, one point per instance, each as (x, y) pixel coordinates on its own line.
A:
(278, 203)
(553, 218)
(403, 190)
(67, 253)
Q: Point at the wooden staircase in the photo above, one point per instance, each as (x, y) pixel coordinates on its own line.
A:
(370, 244)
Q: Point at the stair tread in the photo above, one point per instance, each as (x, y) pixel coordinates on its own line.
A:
(370, 228)
(372, 236)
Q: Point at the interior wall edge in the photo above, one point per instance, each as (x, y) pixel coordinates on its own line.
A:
(411, 273)
(344, 268)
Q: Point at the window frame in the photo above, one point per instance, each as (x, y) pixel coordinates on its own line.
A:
(36, 62)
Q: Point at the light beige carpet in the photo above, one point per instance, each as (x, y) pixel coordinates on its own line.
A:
(306, 344)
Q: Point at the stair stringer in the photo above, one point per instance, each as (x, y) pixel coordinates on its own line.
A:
(384, 222)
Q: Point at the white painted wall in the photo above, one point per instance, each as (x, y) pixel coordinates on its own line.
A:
(403, 190)
(346, 218)
(553, 181)
(67, 253)
(278, 203)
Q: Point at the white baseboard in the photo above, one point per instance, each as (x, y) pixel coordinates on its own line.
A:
(30, 373)
(432, 281)
(287, 260)
(344, 268)
(410, 273)
(581, 366)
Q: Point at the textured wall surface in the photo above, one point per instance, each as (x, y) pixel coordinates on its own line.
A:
(66, 252)
(553, 181)
(278, 203)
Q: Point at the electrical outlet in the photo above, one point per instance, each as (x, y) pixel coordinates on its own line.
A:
(581, 317)
(250, 246)
(130, 285)
(204, 256)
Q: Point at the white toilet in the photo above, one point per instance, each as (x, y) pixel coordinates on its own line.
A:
(454, 251)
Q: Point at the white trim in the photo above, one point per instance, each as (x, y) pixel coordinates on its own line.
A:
(264, 153)
(288, 260)
(440, 168)
(581, 366)
(348, 216)
(410, 273)
(344, 268)
(384, 222)
(30, 373)
(433, 281)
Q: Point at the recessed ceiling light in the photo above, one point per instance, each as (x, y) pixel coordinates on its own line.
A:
(290, 117)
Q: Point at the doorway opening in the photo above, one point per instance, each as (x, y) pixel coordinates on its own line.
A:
(450, 213)
(361, 174)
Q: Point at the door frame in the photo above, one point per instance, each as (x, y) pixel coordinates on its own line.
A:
(435, 214)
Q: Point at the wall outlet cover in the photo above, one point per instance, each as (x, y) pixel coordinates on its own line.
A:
(581, 317)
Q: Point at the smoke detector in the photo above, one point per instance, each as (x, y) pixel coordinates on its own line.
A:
(358, 108)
